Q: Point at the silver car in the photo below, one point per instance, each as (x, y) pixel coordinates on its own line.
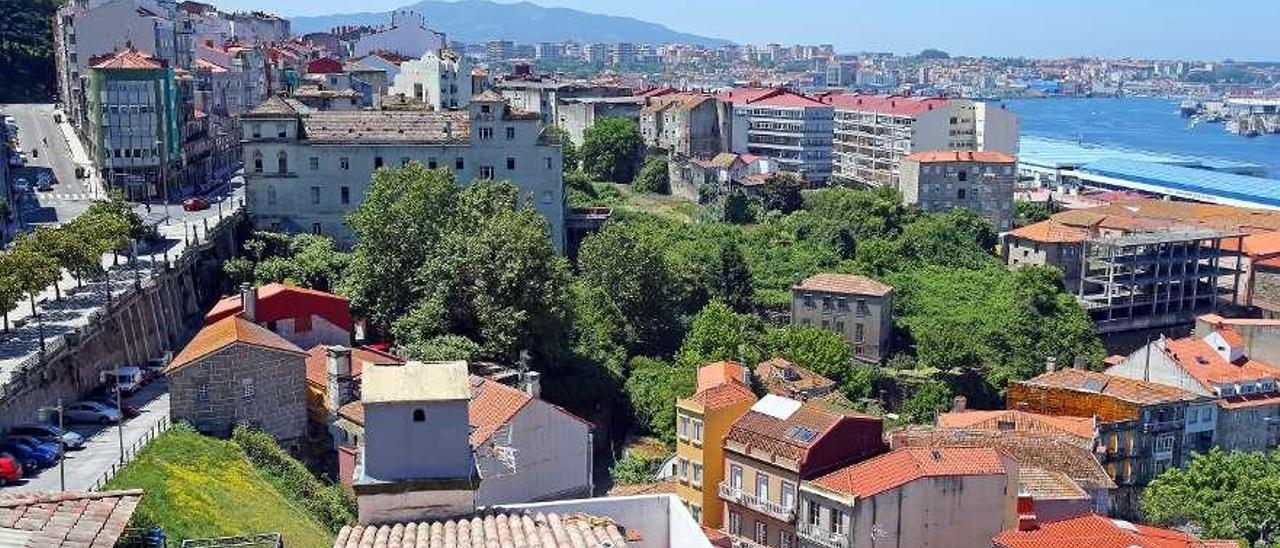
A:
(91, 411)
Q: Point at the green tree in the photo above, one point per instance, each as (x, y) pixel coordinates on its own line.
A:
(309, 261)
(611, 150)
(781, 192)
(1229, 496)
(568, 151)
(238, 270)
(733, 281)
(633, 278)
(26, 51)
(930, 53)
(819, 350)
(32, 269)
(653, 388)
(634, 469)
(11, 290)
(717, 333)
(654, 177)
(929, 399)
(73, 251)
(737, 209)
(1030, 212)
(444, 348)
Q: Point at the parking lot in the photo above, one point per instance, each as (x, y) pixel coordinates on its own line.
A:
(102, 444)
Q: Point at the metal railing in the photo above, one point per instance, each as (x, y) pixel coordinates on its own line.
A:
(260, 540)
(774, 509)
(151, 434)
(818, 535)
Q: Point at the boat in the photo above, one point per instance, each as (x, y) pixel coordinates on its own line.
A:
(1188, 108)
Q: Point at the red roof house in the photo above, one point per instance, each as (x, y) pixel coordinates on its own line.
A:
(305, 317)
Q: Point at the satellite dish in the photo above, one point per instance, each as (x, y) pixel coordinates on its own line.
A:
(496, 457)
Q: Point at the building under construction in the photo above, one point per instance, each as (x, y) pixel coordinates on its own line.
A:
(1152, 279)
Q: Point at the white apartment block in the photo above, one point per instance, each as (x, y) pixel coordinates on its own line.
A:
(306, 170)
(408, 35)
(873, 133)
(441, 79)
(789, 128)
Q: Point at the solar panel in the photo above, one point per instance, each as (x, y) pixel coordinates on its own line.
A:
(1093, 385)
(801, 433)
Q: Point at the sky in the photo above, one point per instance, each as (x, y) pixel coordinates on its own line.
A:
(1162, 29)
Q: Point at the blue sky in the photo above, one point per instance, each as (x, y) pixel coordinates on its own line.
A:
(1182, 29)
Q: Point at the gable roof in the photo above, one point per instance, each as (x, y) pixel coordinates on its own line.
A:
(1195, 356)
(844, 283)
(1071, 456)
(224, 333)
(1121, 388)
(1051, 231)
(318, 362)
(901, 466)
(780, 437)
(1043, 484)
(886, 104)
(1013, 419)
(277, 301)
(722, 395)
(500, 530)
(53, 520)
(720, 372)
(1094, 531)
(129, 59)
(493, 404)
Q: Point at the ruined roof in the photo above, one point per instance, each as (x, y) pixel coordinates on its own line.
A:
(844, 283)
(655, 488)
(901, 466)
(782, 377)
(1050, 231)
(1069, 455)
(1124, 389)
(490, 96)
(1044, 484)
(69, 519)
(396, 126)
(274, 107)
(500, 530)
(1013, 419)
(223, 333)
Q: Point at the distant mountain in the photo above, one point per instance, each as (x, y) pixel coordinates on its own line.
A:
(524, 23)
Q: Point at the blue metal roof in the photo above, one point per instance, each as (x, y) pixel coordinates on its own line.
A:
(1189, 182)
(1060, 154)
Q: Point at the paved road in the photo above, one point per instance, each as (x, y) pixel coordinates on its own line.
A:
(49, 149)
(102, 445)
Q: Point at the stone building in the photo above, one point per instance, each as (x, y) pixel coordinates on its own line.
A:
(858, 308)
(682, 124)
(980, 181)
(235, 371)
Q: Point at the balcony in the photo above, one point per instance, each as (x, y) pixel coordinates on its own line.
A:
(773, 509)
(1161, 426)
(820, 536)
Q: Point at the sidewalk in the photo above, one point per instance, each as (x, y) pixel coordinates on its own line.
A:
(79, 155)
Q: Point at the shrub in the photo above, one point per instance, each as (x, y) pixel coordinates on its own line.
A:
(328, 503)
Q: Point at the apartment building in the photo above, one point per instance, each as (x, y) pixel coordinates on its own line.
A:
(1244, 413)
(408, 35)
(910, 497)
(544, 96)
(702, 420)
(857, 308)
(682, 124)
(792, 129)
(1140, 424)
(304, 170)
(576, 115)
(874, 133)
(775, 446)
(441, 79)
(980, 181)
(133, 123)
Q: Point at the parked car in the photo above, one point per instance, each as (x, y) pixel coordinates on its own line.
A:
(91, 411)
(21, 184)
(43, 185)
(32, 457)
(128, 377)
(128, 411)
(51, 433)
(195, 203)
(35, 442)
(10, 469)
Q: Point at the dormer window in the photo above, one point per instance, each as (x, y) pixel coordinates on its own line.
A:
(419, 415)
(484, 109)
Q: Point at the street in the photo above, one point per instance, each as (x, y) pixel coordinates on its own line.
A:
(53, 153)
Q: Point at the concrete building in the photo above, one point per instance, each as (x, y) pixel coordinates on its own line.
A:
(702, 420)
(622, 54)
(499, 50)
(548, 51)
(858, 308)
(596, 54)
(683, 124)
(980, 181)
(304, 317)
(792, 129)
(775, 446)
(873, 133)
(408, 35)
(577, 114)
(133, 123)
(441, 79)
(304, 171)
(235, 371)
(545, 96)
(910, 497)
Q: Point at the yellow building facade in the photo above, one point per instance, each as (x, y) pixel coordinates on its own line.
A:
(702, 420)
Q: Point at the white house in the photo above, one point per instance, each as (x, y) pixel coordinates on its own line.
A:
(441, 79)
(408, 35)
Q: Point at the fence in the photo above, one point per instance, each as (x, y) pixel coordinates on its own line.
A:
(151, 433)
(260, 540)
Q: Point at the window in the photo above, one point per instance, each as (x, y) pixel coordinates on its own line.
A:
(202, 393)
(484, 109)
(246, 388)
(511, 133)
(788, 494)
(815, 514)
(837, 521)
(511, 164)
(486, 133)
(962, 176)
(735, 476)
(858, 333)
(346, 195)
(684, 427)
(735, 523)
(257, 131)
(762, 486)
(762, 532)
(1164, 443)
(317, 229)
(377, 162)
(785, 539)
(826, 302)
(696, 511)
(313, 163)
(486, 172)
(257, 160)
(282, 162)
(697, 474)
(697, 431)
(315, 195)
(862, 308)
(826, 324)
(417, 91)
(960, 193)
(458, 163)
(344, 163)
(282, 130)
(840, 327)
(548, 161)
(684, 469)
(419, 415)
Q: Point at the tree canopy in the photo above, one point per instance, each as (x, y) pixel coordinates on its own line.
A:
(654, 177)
(611, 150)
(26, 51)
(1225, 496)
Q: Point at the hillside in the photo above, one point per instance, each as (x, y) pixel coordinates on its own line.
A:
(26, 50)
(196, 487)
(481, 20)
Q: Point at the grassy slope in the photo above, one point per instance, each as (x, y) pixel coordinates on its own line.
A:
(196, 486)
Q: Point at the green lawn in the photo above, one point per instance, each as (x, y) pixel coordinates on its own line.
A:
(196, 486)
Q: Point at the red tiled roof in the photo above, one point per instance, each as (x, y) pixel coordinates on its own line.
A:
(758, 430)
(1208, 367)
(773, 375)
(277, 301)
(1069, 455)
(53, 520)
(1081, 427)
(225, 332)
(1094, 531)
(1243, 401)
(721, 372)
(942, 156)
(723, 395)
(492, 405)
(843, 283)
(886, 104)
(740, 96)
(1130, 390)
(518, 528)
(789, 100)
(1051, 231)
(901, 466)
(129, 59)
(318, 362)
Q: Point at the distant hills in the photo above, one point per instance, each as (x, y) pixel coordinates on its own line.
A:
(524, 23)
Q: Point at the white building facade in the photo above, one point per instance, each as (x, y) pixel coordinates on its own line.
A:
(441, 79)
(408, 35)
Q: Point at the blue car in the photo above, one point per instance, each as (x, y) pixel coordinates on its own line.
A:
(47, 445)
(32, 457)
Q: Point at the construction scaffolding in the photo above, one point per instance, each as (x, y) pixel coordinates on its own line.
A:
(1154, 279)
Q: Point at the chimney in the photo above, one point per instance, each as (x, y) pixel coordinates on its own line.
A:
(959, 404)
(1050, 364)
(249, 302)
(533, 383)
(338, 365)
(1077, 363)
(1027, 513)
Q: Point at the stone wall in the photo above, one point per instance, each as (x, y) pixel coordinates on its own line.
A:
(242, 383)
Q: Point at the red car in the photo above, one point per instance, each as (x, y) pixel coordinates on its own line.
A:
(195, 203)
(10, 469)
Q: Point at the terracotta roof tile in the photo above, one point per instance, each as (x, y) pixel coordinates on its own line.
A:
(758, 430)
(68, 519)
(844, 283)
(901, 466)
(1208, 367)
(231, 330)
(384, 126)
(1094, 531)
(318, 362)
(943, 156)
(352, 411)
(1043, 484)
(273, 107)
(129, 59)
(784, 378)
(720, 372)
(492, 405)
(886, 104)
(1023, 421)
(723, 395)
(1051, 231)
(1129, 390)
(502, 530)
(1069, 455)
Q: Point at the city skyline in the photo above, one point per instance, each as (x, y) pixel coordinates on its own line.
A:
(1127, 28)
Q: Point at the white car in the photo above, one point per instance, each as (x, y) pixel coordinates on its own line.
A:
(90, 411)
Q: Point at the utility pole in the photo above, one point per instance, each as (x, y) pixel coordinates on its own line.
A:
(120, 421)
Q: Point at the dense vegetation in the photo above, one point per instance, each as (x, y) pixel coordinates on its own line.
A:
(1223, 496)
(198, 487)
(26, 51)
